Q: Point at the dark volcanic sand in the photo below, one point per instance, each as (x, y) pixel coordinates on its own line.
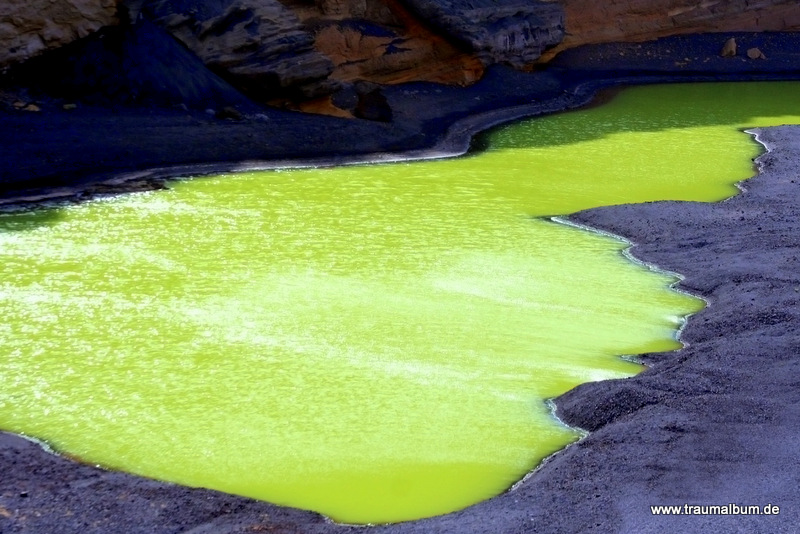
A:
(714, 423)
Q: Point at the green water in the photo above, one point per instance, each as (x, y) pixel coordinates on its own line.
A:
(375, 343)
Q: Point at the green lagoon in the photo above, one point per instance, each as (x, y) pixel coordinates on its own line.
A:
(376, 343)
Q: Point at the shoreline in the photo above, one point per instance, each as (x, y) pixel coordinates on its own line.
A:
(456, 141)
(680, 431)
(94, 151)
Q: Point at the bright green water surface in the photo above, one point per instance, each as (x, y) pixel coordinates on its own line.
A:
(377, 342)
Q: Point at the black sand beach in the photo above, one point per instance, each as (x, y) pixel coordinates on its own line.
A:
(712, 424)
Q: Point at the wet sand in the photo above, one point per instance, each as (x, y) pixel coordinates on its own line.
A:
(712, 424)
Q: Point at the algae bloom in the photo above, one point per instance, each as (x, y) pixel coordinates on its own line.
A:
(376, 342)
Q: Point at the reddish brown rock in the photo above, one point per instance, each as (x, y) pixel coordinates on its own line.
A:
(394, 49)
(590, 21)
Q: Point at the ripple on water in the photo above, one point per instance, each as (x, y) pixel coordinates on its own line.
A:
(374, 342)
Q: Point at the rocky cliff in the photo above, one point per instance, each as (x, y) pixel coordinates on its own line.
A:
(319, 53)
(259, 46)
(592, 21)
(385, 42)
(498, 31)
(307, 47)
(29, 27)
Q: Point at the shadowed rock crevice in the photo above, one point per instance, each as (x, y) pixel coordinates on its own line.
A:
(136, 65)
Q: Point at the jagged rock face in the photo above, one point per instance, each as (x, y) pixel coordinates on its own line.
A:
(498, 31)
(593, 21)
(259, 46)
(389, 45)
(295, 50)
(129, 64)
(29, 27)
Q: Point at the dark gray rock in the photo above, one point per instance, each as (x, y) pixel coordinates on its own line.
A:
(345, 98)
(137, 65)
(372, 105)
(260, 47)
(498, 31)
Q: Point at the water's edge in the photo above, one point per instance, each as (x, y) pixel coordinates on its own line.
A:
(542, 496)
(456, 142)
